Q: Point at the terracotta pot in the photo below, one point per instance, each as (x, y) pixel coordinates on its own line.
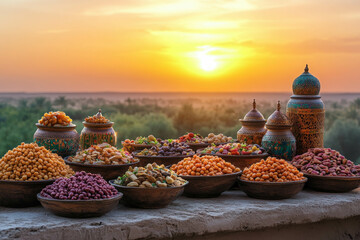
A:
(251, 132)
(97, 133)
(62, 140)
(253, 127)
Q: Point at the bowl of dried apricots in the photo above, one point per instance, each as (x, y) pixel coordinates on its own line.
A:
(272, 179)
(208, 176)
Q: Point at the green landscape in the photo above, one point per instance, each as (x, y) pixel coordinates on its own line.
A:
(169, 118)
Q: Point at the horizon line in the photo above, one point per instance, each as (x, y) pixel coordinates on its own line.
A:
(157, 92)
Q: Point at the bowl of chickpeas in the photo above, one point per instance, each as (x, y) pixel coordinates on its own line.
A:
(208, 176)
(272, 179)
(25, 171)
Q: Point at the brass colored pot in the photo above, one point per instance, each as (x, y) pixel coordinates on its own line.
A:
(253, 127)
(306, 112)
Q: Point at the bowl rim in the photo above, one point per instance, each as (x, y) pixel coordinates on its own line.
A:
(237, 156)
(112, 182)
(141, 145)
(216, 176)
(71, 125)
(163, 157)
(119, 195)
(332, 177)
(273, 183)
(28, 182)
(98, 166)
(207, 143)
(197, 144)
(98, 125)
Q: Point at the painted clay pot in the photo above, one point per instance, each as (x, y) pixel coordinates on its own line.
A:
(279, 141)
(306, 112)
(62, 140)
(253, 127)
(97, 133)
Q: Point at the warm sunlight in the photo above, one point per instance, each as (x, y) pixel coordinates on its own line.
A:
(177, 45)
(207, 62)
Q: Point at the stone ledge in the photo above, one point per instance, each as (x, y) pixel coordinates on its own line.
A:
(233, 211)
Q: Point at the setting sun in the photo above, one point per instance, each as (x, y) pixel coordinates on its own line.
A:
(206, 60)
(207, 63)
(176, 45)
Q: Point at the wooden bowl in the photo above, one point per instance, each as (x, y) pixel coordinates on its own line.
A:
(149, 197)
(337, 184)
(106, 171)
(79, 208)
(197, 146)
(21, 193)
(139, 147)
(209, 186)
(241, 161)
(271, 190)
(166, 160)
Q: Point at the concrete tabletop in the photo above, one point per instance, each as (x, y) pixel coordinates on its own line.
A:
(232, 211)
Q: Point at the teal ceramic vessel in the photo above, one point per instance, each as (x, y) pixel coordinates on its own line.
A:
(279, 141)
(62, 140)
(306, 112)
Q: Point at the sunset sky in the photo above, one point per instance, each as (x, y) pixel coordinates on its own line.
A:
(178, 45)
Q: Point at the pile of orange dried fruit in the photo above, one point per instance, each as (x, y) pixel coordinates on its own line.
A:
(203, 166)
(97, 118)
(29, 162)
(272, 170)
(51, 119)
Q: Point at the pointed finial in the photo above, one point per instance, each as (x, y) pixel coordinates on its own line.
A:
(99, 114)
(278, 106)
(254, 104)
(307, 68)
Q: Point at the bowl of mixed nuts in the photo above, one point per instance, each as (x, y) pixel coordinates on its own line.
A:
(103, 159)
(152, 186)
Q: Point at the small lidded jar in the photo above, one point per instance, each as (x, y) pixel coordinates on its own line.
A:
(279, 141)
(253, 127)
(97, 129)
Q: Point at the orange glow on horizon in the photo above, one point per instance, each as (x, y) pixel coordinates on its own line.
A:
(181, 45)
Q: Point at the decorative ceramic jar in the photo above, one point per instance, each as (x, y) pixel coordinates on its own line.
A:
(63, 140)
(306, 112)
(97, 133)
(253, 127)
(279, 140)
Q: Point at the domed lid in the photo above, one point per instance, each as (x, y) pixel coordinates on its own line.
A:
(253, 115)
(278, 120)
(306, 84)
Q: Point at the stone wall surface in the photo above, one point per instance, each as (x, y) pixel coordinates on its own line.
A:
(231, 213)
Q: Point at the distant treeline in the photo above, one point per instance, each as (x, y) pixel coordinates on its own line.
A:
(169, 119)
